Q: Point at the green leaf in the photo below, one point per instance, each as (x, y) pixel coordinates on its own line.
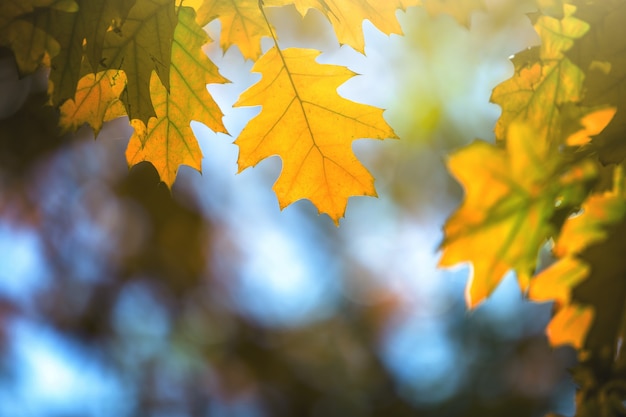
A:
(87, 26)
(141, 45)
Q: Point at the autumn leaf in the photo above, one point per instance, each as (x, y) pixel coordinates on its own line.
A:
(347, 17)
(570, 326)
(168, 141)
(141, 45)
(544, 80)
(305, 122)
(23, 25)
(243, 23)
(597, 212)
(82, 33)
(96, 101)
(510, 196)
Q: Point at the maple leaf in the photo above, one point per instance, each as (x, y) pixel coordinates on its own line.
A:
(82, 33)
(544, 79)
(510, 196)
(305, 122)
(347, 17)
(168, 141)
(96, 101)
(141, 45)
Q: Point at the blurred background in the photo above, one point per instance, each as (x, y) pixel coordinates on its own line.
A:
(121, 298)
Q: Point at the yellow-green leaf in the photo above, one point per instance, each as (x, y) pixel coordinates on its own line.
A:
(168, 141)
(510, 195)
(305, 122)
(544, 80)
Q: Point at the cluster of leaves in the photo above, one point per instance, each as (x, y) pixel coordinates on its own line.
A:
(144, 59)
(554, 181)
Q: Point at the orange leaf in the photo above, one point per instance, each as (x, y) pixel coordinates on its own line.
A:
(168, 140)
(570, 326)
(556, 281)
(311, 128)
(593, 123)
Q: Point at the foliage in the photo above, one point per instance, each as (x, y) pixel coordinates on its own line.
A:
(554, 179)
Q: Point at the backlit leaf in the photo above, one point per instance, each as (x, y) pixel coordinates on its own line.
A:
(347, 16)
(510, 196)
(242, 22)
(96, 101)
(305, 122)
(141, 45)
(570, 326)
(544, 79)
(168, 141)
(82, 33)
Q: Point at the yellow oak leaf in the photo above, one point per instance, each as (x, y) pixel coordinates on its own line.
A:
(305, 122)
(347, 16)
(510, 196)
(168, 141)
(243, 23)
(96, 101)
(544, 79)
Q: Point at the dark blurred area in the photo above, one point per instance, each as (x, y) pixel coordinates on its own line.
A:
(121, 297)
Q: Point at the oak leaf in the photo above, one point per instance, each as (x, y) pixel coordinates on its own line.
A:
(82, 33)
(544, 80)
(143, 44)
(311, 128)
(347, 17)
(168, 141)
(243, 23)
(96, 101)
(510, 196)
